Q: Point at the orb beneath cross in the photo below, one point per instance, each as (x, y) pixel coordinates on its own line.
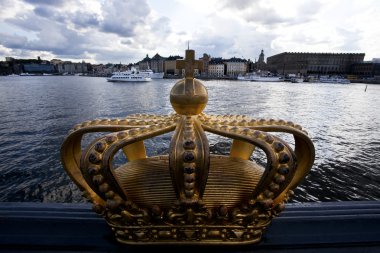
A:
(189, 96)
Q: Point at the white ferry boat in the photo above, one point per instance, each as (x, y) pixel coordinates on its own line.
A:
(253, 77)
(129, 76)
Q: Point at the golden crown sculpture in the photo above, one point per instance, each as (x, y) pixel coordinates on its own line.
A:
(188, 196)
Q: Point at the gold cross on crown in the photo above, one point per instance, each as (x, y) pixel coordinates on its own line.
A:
(189, 64)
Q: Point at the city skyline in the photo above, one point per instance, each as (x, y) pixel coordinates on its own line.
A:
(111, 31)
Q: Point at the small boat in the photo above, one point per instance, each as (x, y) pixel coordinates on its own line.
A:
(129, 76)
(266, 79)
(26, 74)
(334, 79)
(311, 79)
(296, 80)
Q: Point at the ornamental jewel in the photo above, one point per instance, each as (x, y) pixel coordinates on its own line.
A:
(188, 196)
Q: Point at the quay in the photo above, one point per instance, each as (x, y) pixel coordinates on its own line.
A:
(352, 226)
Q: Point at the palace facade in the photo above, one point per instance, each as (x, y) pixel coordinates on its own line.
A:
(313, 63)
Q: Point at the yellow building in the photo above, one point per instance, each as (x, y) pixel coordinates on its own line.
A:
(170, 66)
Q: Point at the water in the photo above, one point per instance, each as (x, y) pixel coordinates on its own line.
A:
(37, 112)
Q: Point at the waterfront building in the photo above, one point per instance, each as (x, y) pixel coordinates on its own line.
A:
(16, 66)
(107, 69)
(367, 69)
(5, 68)
(260, 65)
(216, 67)
(157, 63)
(313, 63)
(205, 59)
(99, 70)
(68, 67)
(38, 68)
(170, 66)
(144, 64)
(236, 66)
(250, 66)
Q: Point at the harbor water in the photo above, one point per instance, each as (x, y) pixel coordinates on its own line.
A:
(36, 113)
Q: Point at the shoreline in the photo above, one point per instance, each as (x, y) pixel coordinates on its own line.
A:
(178, 78)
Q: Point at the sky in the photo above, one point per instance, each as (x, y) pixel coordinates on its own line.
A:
(125, 31)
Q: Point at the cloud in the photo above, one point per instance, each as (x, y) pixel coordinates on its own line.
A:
(272, 13)
(127, 30)
(309, 8)
(123, 18)
(350, 39)
(85, 20)
(256, 11)
(240, 4)
(43, 11)
(53, 37)
(12, 41)
(161, 26)
(213, 44)
(80, 32)
(46, 2)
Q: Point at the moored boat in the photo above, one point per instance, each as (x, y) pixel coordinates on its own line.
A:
(27, 74)
(151, 74)
(334, 79)
(253, 77)
(257, 78)
(296, 80)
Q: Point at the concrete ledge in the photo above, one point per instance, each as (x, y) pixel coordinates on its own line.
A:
(307, 227)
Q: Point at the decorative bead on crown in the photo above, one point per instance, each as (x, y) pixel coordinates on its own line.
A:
(188, 196)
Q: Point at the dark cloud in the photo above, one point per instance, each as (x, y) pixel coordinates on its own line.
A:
(123, 18)
(83, 19)
(59, 31)
(161, 27)
(26, 22)
(127, 42)
(51, 36)
(43, 11)
(46, 2)
(12, 41)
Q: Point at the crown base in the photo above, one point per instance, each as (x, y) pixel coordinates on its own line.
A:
(189, 235)
(230, 183)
